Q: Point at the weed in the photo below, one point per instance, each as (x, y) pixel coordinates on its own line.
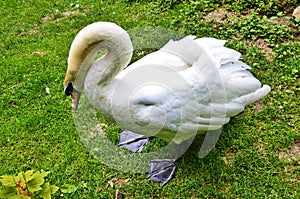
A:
(37, 128)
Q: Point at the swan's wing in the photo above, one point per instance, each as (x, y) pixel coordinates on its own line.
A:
(186, 48)
(221, 68)
(161, 58)
(215, 48)
(175, 55)
(222, 83)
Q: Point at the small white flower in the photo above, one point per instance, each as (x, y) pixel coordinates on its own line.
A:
(141, 53)
(47, 90)
(71, 4)
(56, 11)
(113, 13)
(280, 107)
(77, 6)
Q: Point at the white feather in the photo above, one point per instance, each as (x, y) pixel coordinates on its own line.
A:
(191, 85)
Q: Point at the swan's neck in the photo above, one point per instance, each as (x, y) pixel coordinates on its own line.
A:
(92, 40)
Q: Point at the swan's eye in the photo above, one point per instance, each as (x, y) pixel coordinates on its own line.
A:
(146, 103)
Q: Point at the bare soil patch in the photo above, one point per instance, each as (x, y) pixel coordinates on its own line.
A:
(220, 15)
(292, 154)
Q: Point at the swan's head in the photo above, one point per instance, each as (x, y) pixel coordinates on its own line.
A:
(75, 94)
(72, 71)
(87, 43)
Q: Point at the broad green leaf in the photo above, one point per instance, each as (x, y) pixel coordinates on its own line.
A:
(20, 197)
(45, 196)
(24, 176)
(29, 175)
(47, 190)
(20, 177)
(8, 181)
(41, 174)
(35, 184)
(68, 188)
(38, 179)
(54, 189)
(45, 193)
(8, 192)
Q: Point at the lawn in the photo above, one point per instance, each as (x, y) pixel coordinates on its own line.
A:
(258, 153)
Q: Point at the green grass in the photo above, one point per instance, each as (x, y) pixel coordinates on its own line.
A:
(37, 129)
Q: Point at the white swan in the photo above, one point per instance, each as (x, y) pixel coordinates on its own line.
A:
(188, 86)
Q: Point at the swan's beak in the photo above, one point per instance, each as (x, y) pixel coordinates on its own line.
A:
(70, 90)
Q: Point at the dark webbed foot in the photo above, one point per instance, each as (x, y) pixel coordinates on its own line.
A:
(162, 170)
(133, 142)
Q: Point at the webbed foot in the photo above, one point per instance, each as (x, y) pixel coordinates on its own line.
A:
(162, 170)
(133, 142)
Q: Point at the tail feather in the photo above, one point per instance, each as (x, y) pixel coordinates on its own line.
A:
(240, 85)
(252, 97)
(220, 68)
(218, 51)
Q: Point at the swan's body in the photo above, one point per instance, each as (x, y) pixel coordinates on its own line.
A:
(188, 86)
